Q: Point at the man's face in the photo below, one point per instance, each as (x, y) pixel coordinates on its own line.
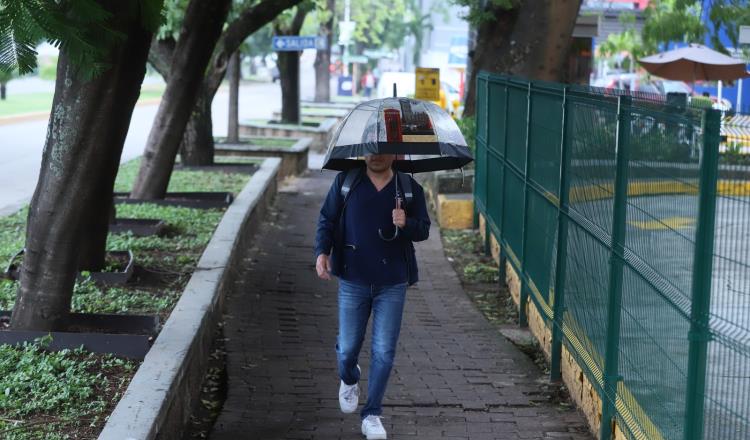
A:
(379, 162)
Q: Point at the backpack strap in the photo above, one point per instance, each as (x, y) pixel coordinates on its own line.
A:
(350, 181)
(405, 181)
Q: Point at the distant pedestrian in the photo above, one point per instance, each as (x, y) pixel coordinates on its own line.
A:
(368, 82)
(373, 271)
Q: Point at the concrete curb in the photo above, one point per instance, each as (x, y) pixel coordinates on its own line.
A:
(320, 135)
(161, 395)
(293, 159)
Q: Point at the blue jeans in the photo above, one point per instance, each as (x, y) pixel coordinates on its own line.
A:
(386, 303)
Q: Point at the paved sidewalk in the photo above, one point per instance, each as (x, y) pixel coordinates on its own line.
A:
(455, 376)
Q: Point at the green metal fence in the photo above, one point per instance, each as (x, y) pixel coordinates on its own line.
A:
(633, 243)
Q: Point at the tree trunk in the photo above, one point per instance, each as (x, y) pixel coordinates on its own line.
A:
(197, 147)
(201, 29)
(505, 45)
(2, 91)
(86, 134)
(161, 158)
(93, 242)
(289, 81)
(288, 63)
(323, 58)
(233, 127)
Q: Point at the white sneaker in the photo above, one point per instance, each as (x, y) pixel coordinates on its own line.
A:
(373, 429)
(349, 396)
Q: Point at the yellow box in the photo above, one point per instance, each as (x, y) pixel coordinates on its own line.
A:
(455, 211)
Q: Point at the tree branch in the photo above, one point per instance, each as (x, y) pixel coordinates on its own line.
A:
(299, 20)
(245, 25)
(160, 55)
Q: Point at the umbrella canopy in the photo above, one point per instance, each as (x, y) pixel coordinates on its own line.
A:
(695, 63)
(424, 136)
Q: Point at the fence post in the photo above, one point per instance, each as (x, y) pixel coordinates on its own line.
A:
(558, 306)
(614, 306)
(502, 270)
(523, 319)
(487, 240)
(699, 334)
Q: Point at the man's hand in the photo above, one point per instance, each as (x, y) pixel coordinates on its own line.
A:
(399, 217)
(323, 266)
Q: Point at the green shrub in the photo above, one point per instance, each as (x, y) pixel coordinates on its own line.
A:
(48, 69)
(468, 126)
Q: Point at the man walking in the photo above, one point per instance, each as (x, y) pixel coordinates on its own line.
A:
(356, 241)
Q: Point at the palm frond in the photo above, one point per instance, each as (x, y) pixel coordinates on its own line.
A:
(79, 28)
(18, 37)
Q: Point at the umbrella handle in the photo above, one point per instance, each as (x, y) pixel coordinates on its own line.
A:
(382, 237)
(398, 206)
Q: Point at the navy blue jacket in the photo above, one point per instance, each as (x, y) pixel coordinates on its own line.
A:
(332, 228)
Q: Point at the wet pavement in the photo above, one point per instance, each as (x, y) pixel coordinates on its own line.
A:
(455, 375)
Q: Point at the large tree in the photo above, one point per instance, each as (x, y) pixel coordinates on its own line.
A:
(288, 62)
(201, 29)
(99, 75)
(519, 37)
(197, 140)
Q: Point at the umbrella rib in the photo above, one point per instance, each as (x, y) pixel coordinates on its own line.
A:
(377, 124)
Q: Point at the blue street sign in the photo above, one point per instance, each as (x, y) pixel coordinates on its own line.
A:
(297, 43)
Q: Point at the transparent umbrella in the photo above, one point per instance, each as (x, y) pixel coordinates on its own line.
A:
(424, 137)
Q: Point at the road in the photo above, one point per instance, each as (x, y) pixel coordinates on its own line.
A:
(21, 144)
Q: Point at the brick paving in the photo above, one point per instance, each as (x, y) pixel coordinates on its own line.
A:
(455, 376)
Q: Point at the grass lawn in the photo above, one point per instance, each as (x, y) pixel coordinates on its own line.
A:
(238, 159)
(265, 122)
(16, 104)
(279, 142)
(69, 394)
(323, 111)
(26, 103)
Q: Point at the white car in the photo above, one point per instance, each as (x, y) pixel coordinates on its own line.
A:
(405, 84)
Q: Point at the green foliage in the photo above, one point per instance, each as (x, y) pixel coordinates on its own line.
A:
(672, 21)
(48, 69)
(733, 155)
(12, 235)
(53, 395)
(45, 394)
(77, 27)
(628, 41)
(413, 23)
(185, 180)
(24, 23)
(483, 10)
(468, 127)
(481, 273)
(680, 21)
(259, 43)
(701, 102)
(174, 14)
(282, 24)
(729, 15)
